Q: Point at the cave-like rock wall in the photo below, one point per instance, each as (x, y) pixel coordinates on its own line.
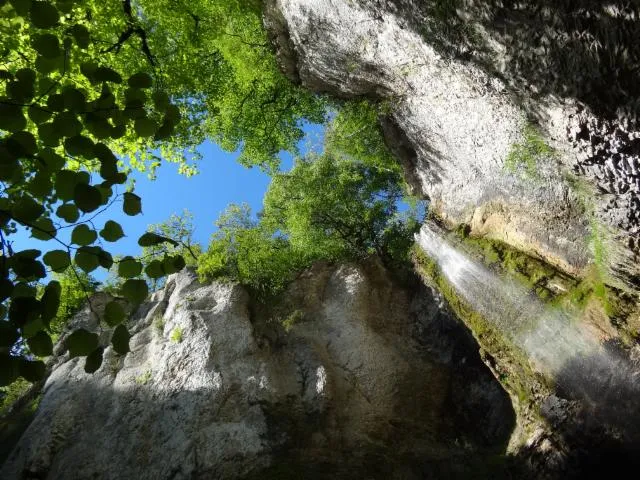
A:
(465, 81)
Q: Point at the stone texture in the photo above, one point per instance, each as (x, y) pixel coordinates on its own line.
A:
(373, 378)
(462, 79)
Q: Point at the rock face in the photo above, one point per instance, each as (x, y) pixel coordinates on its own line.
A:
(372, 379)
(466, 81)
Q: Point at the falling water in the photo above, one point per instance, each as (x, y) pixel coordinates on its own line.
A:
(557, 344)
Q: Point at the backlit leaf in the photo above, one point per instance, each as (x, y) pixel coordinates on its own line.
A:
(132, 204)
(87, 258)
(114, 313)
(129, 267)
(43, 14)
(94, 360)
(40, 344)
(86, 197)
(135, 291)
(81, 342)
(83, 235)
(112, 231)
(120, 340)
(57, 260)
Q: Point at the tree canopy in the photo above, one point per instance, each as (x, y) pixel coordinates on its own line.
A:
(342, 204)
(90, 90)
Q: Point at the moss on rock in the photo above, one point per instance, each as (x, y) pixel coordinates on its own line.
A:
(508, 362)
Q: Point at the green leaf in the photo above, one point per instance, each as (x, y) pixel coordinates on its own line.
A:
(173, 113)
(108, 161)
(12, 118)
(129, 267)
(26, 75)
(57, 260)
(50, 160)
(112, 231)
(82, 342)
(65, 6)
(38, 114)
(40, 185)
(8, 335)
(43, 229)
(40, 344)
(132, 204)
(81, 35)
(135, 94)
(160, 100)
(165, 130)
(46, 65)
(43, 15)
(140, 80)
(55, 102)
(26, 209)
(22, 289)
(21, 7)
(106, 74)
(20, 92)
(87, 258)
(49, 135)
(120, 340)
(68, 212)
(65, 184)
(46, 45)
(6, 288)
(67, 124)
(94, 360)
(22, 144)
(82, 235)
(79, 146)
(135, 291)
(50, 302)
(118, 131)
(86, 197)
(31, 371)
(8, 369)
(114, 314)
(154, 269)
(105, 259)
(150, 239)
(173, 264)
(105, 191)
(32, 327)
(145, 127)
(24, 310)
(74, 99)
(99, 127)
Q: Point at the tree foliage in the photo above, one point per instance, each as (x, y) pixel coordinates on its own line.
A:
(340, 205)
(180, 229)
(63, 111)
(214, 59)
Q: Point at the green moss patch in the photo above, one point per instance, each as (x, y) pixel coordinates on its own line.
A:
(508, 362)
(525, 156)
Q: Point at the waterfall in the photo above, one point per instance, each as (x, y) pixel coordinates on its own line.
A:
(557, 343)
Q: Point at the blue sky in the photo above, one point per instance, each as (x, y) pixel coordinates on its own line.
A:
(221, 180)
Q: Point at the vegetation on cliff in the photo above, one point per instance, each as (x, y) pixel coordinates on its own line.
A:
(92, 90)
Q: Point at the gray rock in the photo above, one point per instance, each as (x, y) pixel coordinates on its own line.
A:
(454, 119)
(371, 377)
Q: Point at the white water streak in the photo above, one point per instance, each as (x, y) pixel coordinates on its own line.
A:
(556, 344)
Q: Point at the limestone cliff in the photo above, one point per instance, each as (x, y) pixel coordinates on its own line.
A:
(519, 122)
(516, 118)
(370, 378)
